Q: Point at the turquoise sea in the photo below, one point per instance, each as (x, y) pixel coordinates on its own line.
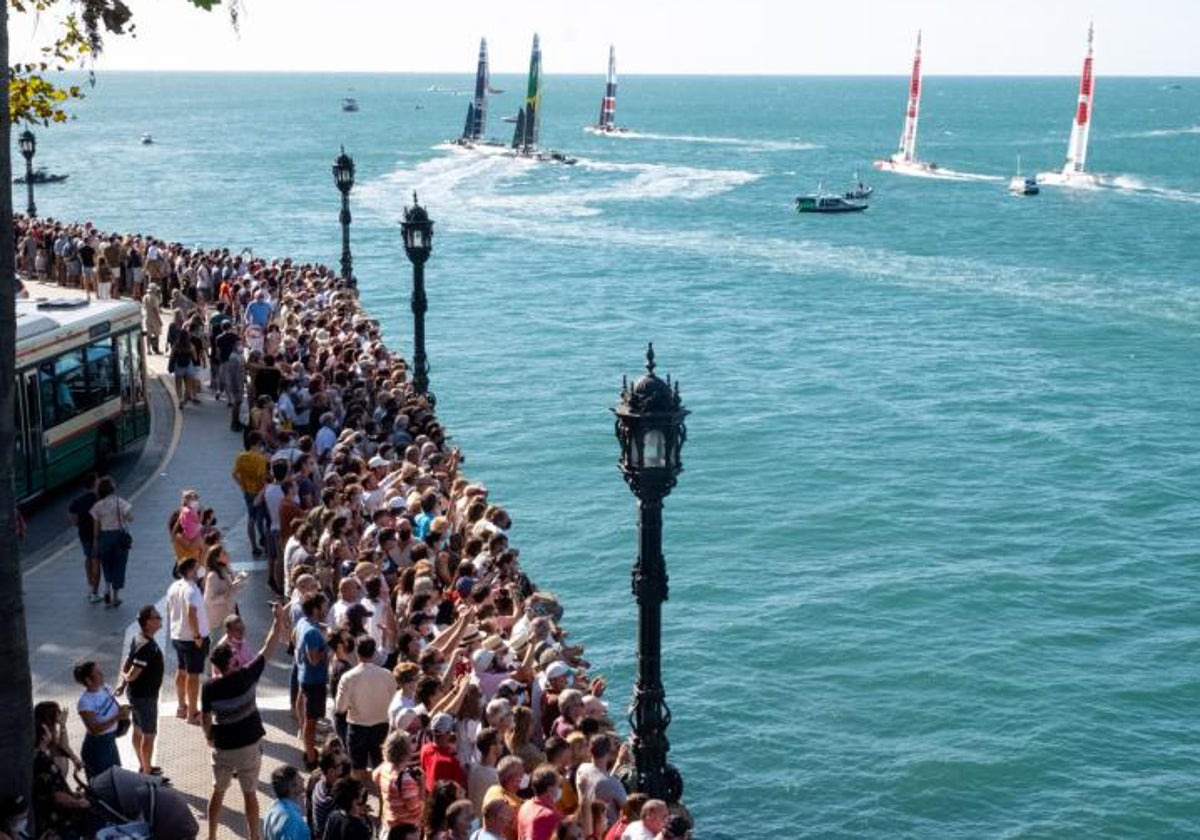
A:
(934, 556)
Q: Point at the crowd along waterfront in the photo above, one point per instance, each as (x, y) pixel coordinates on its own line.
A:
(931, 570)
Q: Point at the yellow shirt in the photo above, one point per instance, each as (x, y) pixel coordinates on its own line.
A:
(250, 471)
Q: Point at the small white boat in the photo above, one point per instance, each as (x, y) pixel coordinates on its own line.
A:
(1023, 184)
(350, 104)
(147, 140)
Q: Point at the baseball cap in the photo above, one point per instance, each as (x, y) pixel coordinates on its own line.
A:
(482, 659)
(442, 722)
(377, 462)
(557, 669)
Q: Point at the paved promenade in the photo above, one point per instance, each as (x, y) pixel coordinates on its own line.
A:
(189, 449)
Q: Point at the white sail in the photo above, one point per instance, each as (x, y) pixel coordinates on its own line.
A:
(908, 139)
(1077, 147)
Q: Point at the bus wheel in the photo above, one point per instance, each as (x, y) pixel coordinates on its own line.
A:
(104, 450)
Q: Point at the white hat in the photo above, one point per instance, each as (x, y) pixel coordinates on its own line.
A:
(376, 462)
(482, 659)
(557, 669)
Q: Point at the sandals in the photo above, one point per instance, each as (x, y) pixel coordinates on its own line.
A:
(195, 720)
(181, 712)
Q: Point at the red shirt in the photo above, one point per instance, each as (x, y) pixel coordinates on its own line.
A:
(441, 765)
(537, 820)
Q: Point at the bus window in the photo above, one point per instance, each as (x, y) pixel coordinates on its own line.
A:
(46, 386)
(102, 382)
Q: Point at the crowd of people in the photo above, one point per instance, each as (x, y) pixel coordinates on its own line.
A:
(433, 686)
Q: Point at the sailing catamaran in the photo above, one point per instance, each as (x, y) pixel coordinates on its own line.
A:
(904, 161)
(608, 105)
(476, 123)
(529, 118)
(1073, 174)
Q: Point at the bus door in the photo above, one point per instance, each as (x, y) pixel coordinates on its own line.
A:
(27, 460)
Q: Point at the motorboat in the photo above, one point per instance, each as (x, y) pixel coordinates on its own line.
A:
(1023, 184)
(828, 203)
(147, 140)
(350, 104)
(41, 176)
(859, 192)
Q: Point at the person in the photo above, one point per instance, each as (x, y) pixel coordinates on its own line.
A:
(152, 321)
(482, 774)
(439, 757)
(364, 693)
(538, 819)
(594, 781)
(187, 536)
(250, 470)
(187, 626)
(101, 715)
(458, 821)
(56, 808)
(630, 811)
(80, 513)
(401, 797)
(331, 766)
(221, 587)
(233, 379)
(497, 817)
(676, 828)
(348, 820)
(312, 663)
(235, 637)
(650, 822)
(511, 771)
(181, 363)
(142, 678)
(285, 819)
(110, 515)
(234, 728)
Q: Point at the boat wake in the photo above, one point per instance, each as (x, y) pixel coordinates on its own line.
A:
(941, 173)
(495, 192)
(1135, 185)
(742, 142)
(1160, 132)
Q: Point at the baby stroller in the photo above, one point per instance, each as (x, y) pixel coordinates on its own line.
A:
(139, 807)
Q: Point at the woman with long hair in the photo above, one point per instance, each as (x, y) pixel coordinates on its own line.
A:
(221, 588)
(187, 532)
(520, 739)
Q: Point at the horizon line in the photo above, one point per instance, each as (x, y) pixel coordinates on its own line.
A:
(591, 74)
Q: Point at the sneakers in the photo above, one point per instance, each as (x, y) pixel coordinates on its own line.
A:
(94, 598)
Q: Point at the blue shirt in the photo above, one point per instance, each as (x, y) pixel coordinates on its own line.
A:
(285, 822)
(310, 638)
(421, 524)
(259, 313)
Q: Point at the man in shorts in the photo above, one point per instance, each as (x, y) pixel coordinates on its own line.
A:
(187, 625)
(234, 727)
(142, 677)
(312, 666)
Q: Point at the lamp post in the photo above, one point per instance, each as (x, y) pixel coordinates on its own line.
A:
(343, 177)
(651, 432)
(28, 145)
(417, 229)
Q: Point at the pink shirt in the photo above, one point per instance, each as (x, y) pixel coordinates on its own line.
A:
(537, 820)
(189, 523)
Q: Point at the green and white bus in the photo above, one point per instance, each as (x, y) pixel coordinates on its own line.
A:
(81, 389)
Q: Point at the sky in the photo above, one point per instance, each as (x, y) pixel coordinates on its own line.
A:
(783, 37)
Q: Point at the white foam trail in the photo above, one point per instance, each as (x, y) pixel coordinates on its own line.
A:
(1160, 132)
(944, 174)
(1134, 184)
(746, 143)
(483, 190)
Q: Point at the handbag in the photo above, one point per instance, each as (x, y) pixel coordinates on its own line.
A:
(125, 541)
(123, 723)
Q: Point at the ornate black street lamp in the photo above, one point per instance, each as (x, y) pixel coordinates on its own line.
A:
(417, 229)
(651, 432)
(28, 145)
(343, 176)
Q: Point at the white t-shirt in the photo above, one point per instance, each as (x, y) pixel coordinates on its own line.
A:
(273, 498)
(182, 594)
(103, 705)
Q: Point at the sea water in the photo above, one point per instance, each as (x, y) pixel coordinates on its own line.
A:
(933, 557)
